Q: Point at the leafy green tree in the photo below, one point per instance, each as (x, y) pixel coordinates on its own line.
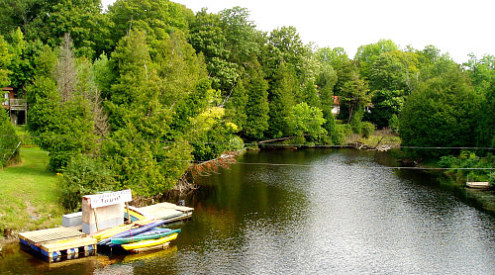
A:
(481, 72)
(193, 105)
(208, 37)
(257, 107)
(130, 61)
(62, 126)
(395, 70)
(241, 35)
(442, 112)
(82, 19)
(485, 131)
(309, 93)
(104, 75)
(367, 54)
(158, 18)
(305, 120)
(178, 67)
(19, 13)
(281, 100)
(326, 80)
(236, 106)
(354, 93)
(9, 141)
(386, 104)
(5, 59)
(85, 175)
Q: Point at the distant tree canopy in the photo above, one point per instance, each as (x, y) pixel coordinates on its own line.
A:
(138, 92)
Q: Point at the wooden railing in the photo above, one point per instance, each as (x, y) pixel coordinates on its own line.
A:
(18, 104)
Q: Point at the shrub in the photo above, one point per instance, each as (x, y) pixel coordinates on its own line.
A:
(342, 131)
(82, 176)
(367, 129)
(9, 153)
(393, 123)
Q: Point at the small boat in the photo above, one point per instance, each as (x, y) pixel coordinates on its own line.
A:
(478, 184)
(133, 232)
(144, 237)
(149, 243)
(107, 233)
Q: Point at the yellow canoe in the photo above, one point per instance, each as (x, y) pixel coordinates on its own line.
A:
(147, 243)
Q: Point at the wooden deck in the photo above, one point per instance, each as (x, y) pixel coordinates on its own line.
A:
(53, 234)
(68, 244)
(54, 243)
(166, 211)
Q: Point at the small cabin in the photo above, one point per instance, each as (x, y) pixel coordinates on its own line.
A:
(16, 107)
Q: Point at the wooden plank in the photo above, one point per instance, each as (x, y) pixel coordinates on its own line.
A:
(68, 244)
(52, 234)
(161, 213)
(184, 216)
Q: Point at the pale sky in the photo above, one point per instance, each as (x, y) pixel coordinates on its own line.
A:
(453, 26)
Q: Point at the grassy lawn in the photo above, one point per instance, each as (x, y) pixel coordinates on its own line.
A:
(29, 194)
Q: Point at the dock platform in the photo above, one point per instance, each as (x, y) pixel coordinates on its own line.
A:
(54, 243)
(63, 243)
(166, 211)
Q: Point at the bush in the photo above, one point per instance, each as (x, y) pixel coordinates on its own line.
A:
(356, 121)
(235, 143)
(9, 153)
(467, 159)
(342, 131)
(83, 176)
(367, 129)
(492, 179)
(393, 123)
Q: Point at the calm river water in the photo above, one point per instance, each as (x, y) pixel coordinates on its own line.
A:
(329, 212)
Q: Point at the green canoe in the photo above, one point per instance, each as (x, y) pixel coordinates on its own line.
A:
(143, 237)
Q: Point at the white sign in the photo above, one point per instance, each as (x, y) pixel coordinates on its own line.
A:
(106, 199)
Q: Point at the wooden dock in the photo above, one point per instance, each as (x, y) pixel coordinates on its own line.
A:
(166, 211)
(54, 243)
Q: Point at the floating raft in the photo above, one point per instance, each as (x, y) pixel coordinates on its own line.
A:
(166, 211)
(71, 247)
(55, 243)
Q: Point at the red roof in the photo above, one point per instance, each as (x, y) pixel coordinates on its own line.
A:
(336, 100)
(7, 89)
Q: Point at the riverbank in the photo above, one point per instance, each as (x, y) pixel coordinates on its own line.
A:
(30, 195)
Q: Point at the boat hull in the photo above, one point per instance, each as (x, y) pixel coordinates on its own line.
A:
(150, 243)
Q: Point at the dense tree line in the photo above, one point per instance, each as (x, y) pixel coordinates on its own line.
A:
(130, 96)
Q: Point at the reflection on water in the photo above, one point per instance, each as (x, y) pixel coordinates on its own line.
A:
(340, 212)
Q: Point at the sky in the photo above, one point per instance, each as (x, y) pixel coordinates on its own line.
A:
(455, 27)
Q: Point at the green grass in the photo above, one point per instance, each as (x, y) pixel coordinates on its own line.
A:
(30, 195)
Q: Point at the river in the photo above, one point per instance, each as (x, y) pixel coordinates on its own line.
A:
(327, 212)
